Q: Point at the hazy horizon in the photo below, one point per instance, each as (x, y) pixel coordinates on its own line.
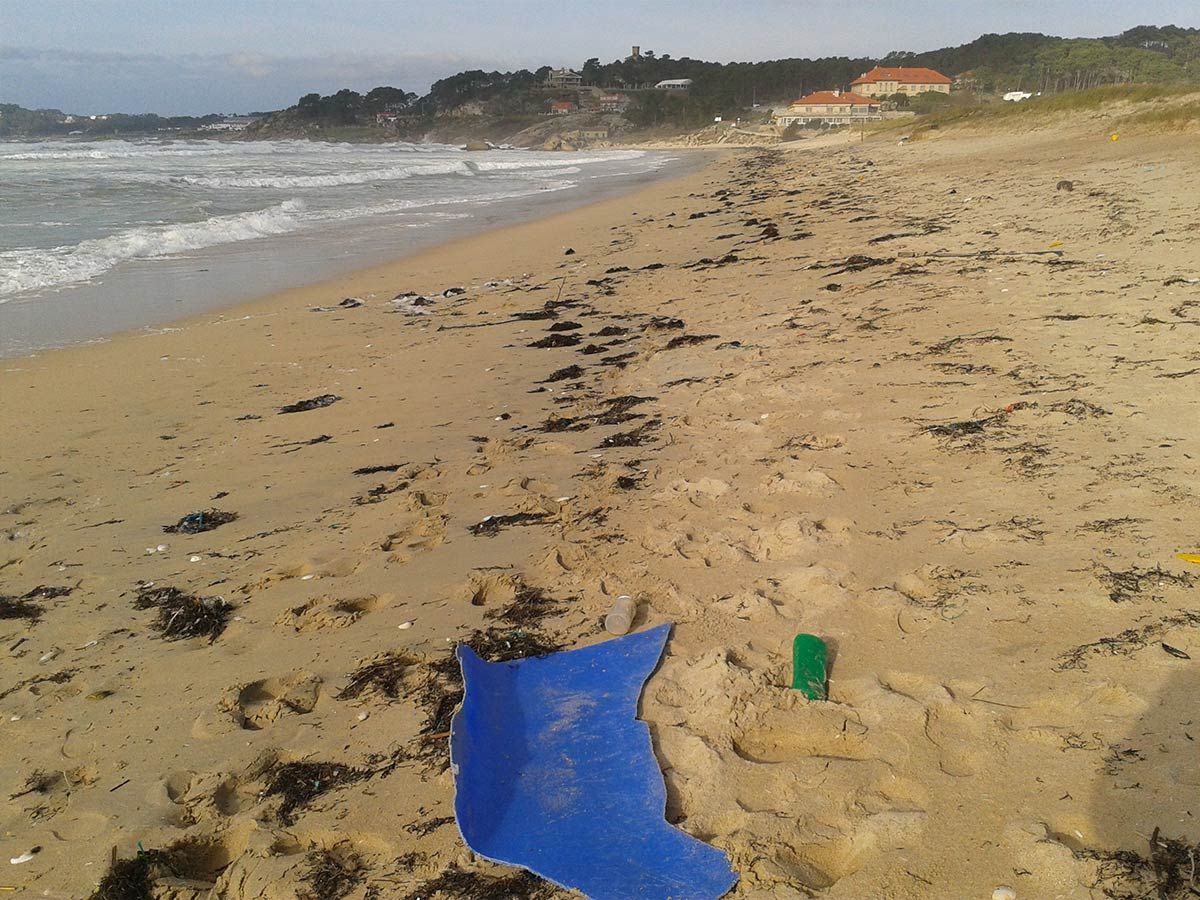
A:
(132, 56)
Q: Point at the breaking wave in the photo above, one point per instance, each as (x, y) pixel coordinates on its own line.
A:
(27, 270)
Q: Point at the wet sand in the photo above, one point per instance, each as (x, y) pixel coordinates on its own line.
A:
(915, 400)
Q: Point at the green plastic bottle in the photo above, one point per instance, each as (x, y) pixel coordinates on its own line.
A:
(810, 657)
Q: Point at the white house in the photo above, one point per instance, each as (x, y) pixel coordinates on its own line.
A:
(674, 84)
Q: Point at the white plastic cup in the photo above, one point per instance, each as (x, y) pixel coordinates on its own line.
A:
(620, 617)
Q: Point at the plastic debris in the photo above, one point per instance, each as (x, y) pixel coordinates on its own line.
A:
(555, 773)
(200, 521)
(1190, 557)
(810, 659)
(26, 856)
(620, 617)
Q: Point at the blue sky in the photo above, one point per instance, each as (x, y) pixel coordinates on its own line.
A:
(194, 56)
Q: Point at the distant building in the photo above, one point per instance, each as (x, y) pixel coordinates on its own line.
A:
(829, 108)
(386, 119)
(637, 53)
(231, 123)
(562, 108)
(564, 79)
(882, 82)
(616, 103)
(674, 84)
(1017, 96)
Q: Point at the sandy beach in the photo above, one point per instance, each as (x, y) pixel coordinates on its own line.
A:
(935, 402)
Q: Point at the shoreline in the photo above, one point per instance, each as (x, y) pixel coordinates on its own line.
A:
(73, 315)
(915, 400)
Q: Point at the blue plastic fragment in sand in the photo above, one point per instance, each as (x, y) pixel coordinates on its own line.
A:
(555, 773)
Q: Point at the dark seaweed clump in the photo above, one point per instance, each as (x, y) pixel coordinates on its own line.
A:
(133, 879)
(331, 875)
(384, 674)
(1168, 873)
(556, 340)
(687, 340)
(563, 374)
(201, 521)
(24, 607)
(299, 783)
(314, 403)
(491, 525)
(455, 883)
(182, 615)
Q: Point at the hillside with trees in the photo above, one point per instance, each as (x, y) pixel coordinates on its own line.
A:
(993, 63)
(481, 103)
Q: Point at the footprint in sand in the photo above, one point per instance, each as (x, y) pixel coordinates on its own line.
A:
(425, 534)
(324, 613)
(257, 705)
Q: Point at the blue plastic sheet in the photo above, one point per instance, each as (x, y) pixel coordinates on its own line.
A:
(555, 773)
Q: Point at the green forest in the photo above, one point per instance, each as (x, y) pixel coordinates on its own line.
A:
(993, 63)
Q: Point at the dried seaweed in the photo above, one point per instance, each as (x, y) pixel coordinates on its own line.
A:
(528, 607)
(299, 783)
(965, 427)
(455, 884)
(663, 323)
(314, 403)
(1127, 642)
(134, 879)
(688, 340)
(1167, 873)
(1080, 409)
(1134, 582)
(855, 263)
(429, 826)
(331, 875)
(182, 615)
(201, 521)
(635, 438)
(23, 607)
(384, 674)
(557, 340)
(559, 424)
(491, 525)
(374, 470)
(61, 677)
(617, 409)
(564, 326)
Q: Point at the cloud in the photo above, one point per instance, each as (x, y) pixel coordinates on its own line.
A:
(84, 81)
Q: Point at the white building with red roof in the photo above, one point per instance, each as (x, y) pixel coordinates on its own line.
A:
(883, 81)
(829, 108)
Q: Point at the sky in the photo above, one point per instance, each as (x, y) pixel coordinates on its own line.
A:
(178, 57)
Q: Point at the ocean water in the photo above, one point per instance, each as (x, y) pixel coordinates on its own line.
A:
(97, 237)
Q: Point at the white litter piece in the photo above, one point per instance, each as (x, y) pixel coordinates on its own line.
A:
(25, 857)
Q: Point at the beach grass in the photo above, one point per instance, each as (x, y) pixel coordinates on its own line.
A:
(1154, 106)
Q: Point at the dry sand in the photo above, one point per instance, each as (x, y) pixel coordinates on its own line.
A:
(966, 462)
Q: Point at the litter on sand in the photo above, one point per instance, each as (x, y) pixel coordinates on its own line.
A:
(197, 523)
(555, 773)
(810, 660)
(1190, 557)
